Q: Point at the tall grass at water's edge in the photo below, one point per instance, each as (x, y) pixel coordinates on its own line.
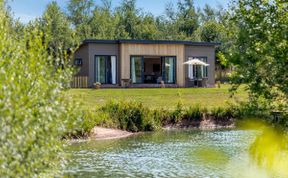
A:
(135, 117)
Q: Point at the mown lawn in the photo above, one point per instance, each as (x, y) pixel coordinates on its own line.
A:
(157, 98)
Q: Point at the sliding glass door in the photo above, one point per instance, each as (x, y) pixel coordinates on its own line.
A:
(137, 69)
(105, 69)
(169, 69)
(168, 65)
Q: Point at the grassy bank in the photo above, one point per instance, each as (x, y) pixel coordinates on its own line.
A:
(135, 117)
(152, 109)
(159, 98)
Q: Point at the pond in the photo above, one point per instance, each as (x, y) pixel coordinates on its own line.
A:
(185, 153)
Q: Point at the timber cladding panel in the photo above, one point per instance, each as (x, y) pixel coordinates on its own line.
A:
(131, 49)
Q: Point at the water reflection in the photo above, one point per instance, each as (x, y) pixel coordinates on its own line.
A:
(186, 153)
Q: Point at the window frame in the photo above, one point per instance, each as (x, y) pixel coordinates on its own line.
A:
(204, 67)
(78, 62)
(107, 57)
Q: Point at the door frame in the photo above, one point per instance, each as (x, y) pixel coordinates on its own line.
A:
(163, 69)
(142, 68)
(107, 57)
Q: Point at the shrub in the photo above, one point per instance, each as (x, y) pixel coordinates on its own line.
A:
(34, 111)
(89, 119)
(177, 114)
(161, 116)
(194, 113)
(127, 115)
(224, 114)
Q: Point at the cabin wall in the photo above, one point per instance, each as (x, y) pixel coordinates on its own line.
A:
(203, 51)
(102, 50)
(83, 53)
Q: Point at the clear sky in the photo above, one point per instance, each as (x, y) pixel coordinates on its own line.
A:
(27, 10)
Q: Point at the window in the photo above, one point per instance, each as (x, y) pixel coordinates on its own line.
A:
(196, 71)
(137, 69)
(78, 62)
(162, 68)
(105, 69)
(169, 69)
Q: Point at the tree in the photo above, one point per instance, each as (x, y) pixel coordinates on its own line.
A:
(34, 111)
(182, 22)
(208, 14)
(80, 12)
(129, 17)
(103, 22)
(211, 31)
(260, 56)
(187, 17)
(147, 29)
(57, 28)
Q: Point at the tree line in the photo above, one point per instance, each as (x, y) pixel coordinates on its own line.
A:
(254, 36)
(83, 19)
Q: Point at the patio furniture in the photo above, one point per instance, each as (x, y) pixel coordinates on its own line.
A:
(190, 82)
(196, 62)
(159, 80)
(204, 82)
(126, 83)
(198, 82)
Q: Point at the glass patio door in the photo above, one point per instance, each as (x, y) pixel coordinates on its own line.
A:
(137, 66)
(169, 69)
(105, 69)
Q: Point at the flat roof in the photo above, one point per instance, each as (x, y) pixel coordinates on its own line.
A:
(151, 42)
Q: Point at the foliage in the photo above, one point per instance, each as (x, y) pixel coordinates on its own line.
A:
(79, 12)
(194, 113)
(177, 114)
(222, 114)
(55, 23)
(260, 53)
(127, 116)
(34, 111)
(160, 117)
(89, 119)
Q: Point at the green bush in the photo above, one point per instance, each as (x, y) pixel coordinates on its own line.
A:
(194, 113)
(161, 117)
(226, 113)
(177, 114)
(89, 119)
(34, 113)
(128, 116)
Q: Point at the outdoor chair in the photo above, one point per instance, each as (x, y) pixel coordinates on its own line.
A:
(126, 83)
(190, 82)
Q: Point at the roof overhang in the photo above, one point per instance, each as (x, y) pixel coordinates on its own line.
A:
(192, 43)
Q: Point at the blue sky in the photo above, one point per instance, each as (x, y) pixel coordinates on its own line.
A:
(27, 10)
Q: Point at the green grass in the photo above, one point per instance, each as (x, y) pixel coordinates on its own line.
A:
(159, 98)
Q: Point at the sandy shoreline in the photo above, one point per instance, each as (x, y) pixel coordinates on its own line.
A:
(99, 133)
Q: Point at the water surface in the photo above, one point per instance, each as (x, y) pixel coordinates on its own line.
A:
(185, 153)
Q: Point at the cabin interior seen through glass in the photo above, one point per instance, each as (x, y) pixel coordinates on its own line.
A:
(105, 69)
(152, 69)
